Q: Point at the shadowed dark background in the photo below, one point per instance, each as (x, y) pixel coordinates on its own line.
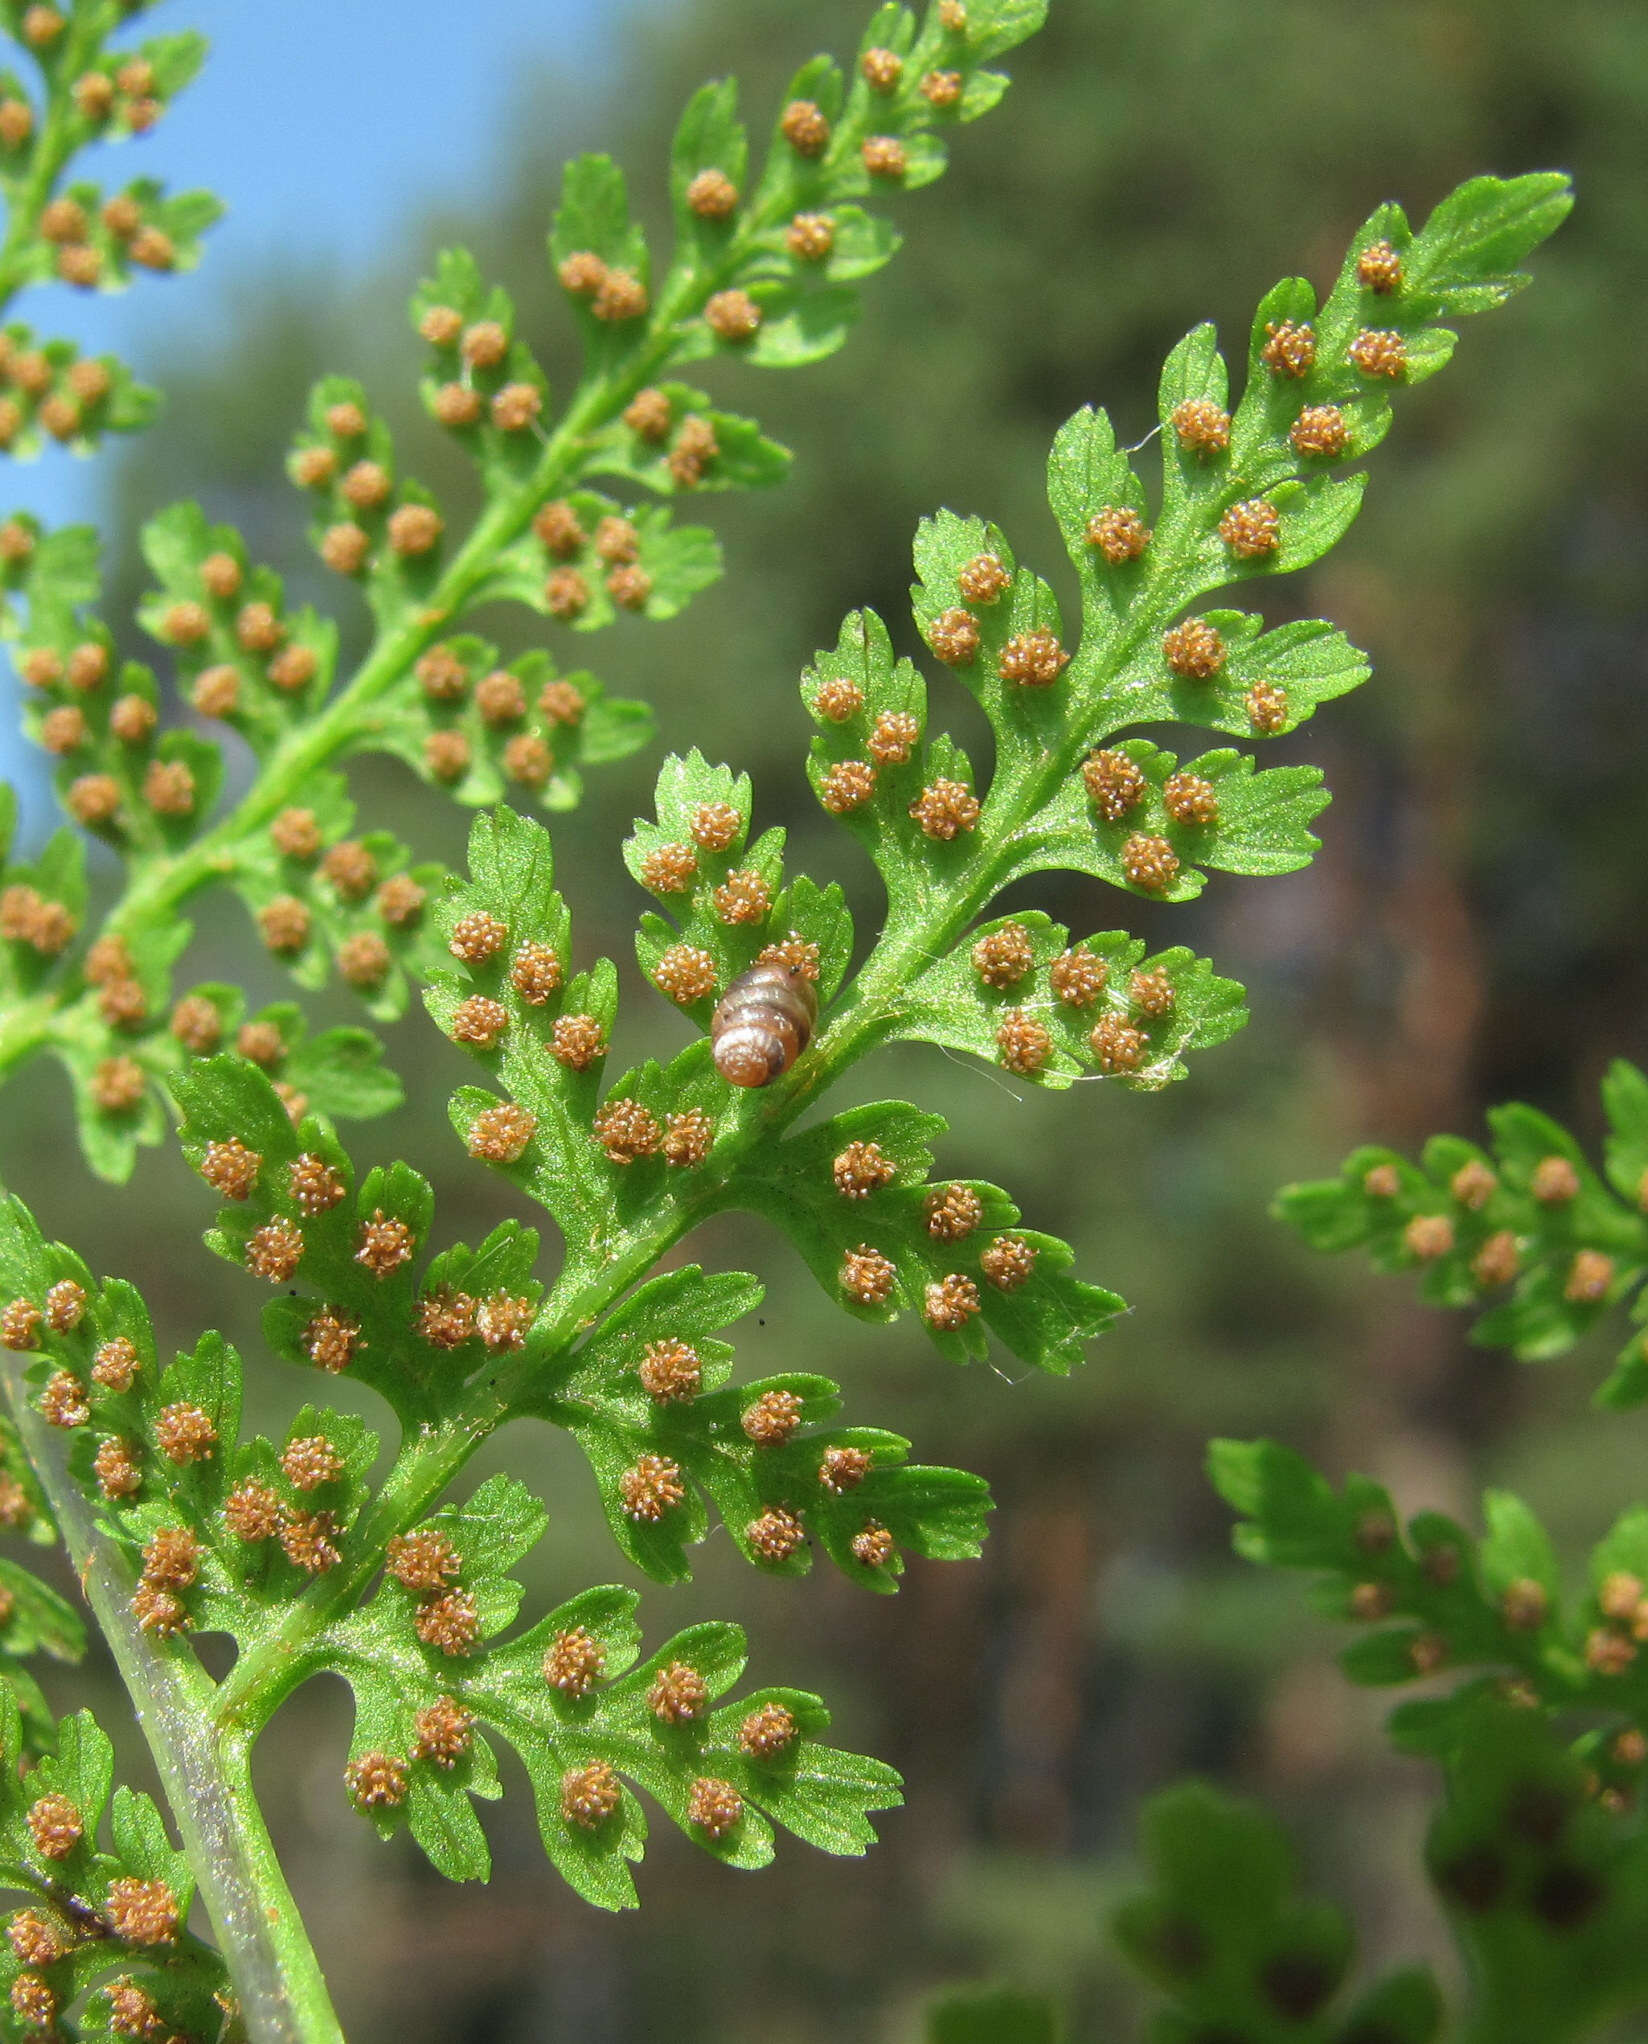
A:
(1471, 929)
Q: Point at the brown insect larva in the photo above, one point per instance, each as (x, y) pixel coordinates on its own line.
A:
(762, 1024)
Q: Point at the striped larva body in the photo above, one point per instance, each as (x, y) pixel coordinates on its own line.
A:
(762, 1024)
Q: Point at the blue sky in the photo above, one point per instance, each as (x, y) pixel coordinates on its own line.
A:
(321, 133)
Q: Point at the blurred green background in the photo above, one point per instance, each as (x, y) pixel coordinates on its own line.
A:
(1472, 928)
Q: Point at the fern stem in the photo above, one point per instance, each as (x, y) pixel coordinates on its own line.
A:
(206, 1777)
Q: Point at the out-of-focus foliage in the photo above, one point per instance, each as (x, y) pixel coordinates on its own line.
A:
(1573, 1241)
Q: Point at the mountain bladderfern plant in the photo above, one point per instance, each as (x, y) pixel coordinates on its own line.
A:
(313, 1553)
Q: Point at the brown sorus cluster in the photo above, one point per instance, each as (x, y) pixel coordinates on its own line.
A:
(230, 1168)
(445, 1319)
(844, 1469)
(847, 786)
(868, 1278)
(450, 1622)
(984, 579)
(275, 1250)
(55, 1826)
(577, 1042)
(1117, 1046)
(310, 1461)
(477, 936)
(1252, 529)
(768, 1732)
(945, 809)
(893, 738)
(1189, 799)
(1590, 1277)
(804, 126)
(1032, 659)
(772, 1418)
(159, 1613)
(884, 156)
(695, 448)
(861, 1168)
(590, 1795)
(20, 1325)
(670, 1370)
(1003, 957)
(1119, 533)
(1193, 650)
(795, 954)
(678, 1694)
(63, 1401)
(183, 1433)
(573, 1662)
(1378, 351)
(811, 237)
(141, 1912)
(1023, 1044)
(732, 316)
(714, 1806)
(499, 1135)
(687, 1138)
(503, 1322)
(1379, 268)
(1078, 978)
(874, 1547)
(626, 1130)
(1152, 994)
(1201, 426)
(444, 1732)
(744, 897)
(714, 826)
(776, 1535)
(535, 974)
(954, 637)
(669, 869)
(1554, 1182)
(882, 69)
(253, 1512)
(1149, 863)
(34, 2001)
(65, 1306)
(1009, 1262)
(331, 1339)
(651, 1487)
(1320, 430)
(115, 1364)
(376, 1781)
(384, 1244)
(313, 1184)
(952, 1211)
(36, 1940)
(1497, 1261)
(838, 699)
(649, 413)
(950, 1303)
(171, 1558)
(479, 1021)
(422, 1560)
(1115, 782)
(1289, 349)
(1428, 1236)
(1267, 707)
